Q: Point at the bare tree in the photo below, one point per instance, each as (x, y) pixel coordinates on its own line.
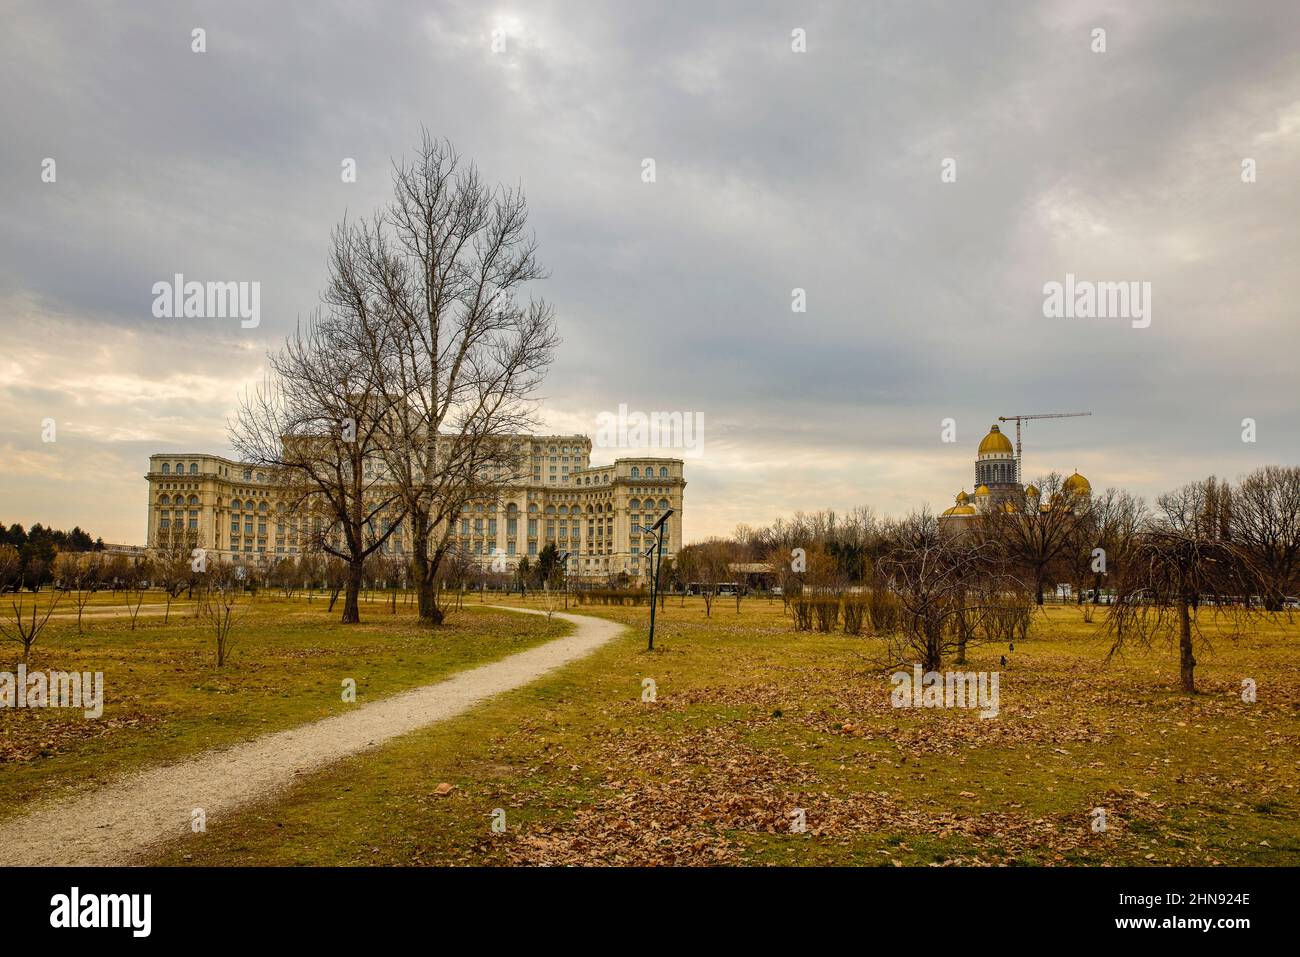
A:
(223, 605)
(1182, 558)
(318, 425)
(445, 261)
(712, 567)
(1038, 527)
(136, 584)
(78, 573)
(1101, 543)
(1265, 525)
(173, 564)
(23, 626)
(11, 567)
(949, 586)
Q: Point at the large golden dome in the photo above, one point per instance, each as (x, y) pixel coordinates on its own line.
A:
(1076, 484)
(995, 441)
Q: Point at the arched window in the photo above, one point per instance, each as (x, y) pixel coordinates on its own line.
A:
(564, 510)
(194, 468)
(235, 505)
(166, 469)
(663, 472)
(180, 468)
(164, 500)
(663, 504)
(634, 504)
(512, 508)
(636, 472)
(194, 500)
(532, 506)
(261, 507)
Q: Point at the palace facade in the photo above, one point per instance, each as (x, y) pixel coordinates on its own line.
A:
(592, 512)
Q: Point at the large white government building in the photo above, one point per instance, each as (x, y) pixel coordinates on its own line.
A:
(592, 512)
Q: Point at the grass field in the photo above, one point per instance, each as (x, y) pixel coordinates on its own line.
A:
(165, 699)
(751, 722)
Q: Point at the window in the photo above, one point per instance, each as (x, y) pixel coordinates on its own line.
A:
(194, 468)
(166, 469)
(194, 500)
(636, 472)
(236, 505)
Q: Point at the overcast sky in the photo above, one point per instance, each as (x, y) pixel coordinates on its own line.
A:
(775, 170)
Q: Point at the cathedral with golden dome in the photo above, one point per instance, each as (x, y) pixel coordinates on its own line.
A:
(997, 483)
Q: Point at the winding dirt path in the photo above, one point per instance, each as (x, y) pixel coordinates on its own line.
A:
(115, 823)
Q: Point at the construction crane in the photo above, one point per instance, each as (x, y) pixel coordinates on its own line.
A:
(1025, 418)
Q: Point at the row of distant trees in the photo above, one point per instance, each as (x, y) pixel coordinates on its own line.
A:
(28, 556)
(1234, 548)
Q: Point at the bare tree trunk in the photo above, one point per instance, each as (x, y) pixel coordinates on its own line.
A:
(351, 610)
(962, 629)
(1186, 661)
(933, 649)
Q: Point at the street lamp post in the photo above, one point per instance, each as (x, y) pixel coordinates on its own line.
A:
(656, 561)
(564, 566)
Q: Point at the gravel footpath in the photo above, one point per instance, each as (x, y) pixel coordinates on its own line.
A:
(115, 823)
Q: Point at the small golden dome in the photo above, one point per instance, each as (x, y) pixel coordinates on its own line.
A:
(962, 497)
(1032, 491)
(982, 491)
(995, 441)
(1077, 485)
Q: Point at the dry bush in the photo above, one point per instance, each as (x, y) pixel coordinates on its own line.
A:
(885, 611)
(827, 613)
(855, 613)
(802, 607)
